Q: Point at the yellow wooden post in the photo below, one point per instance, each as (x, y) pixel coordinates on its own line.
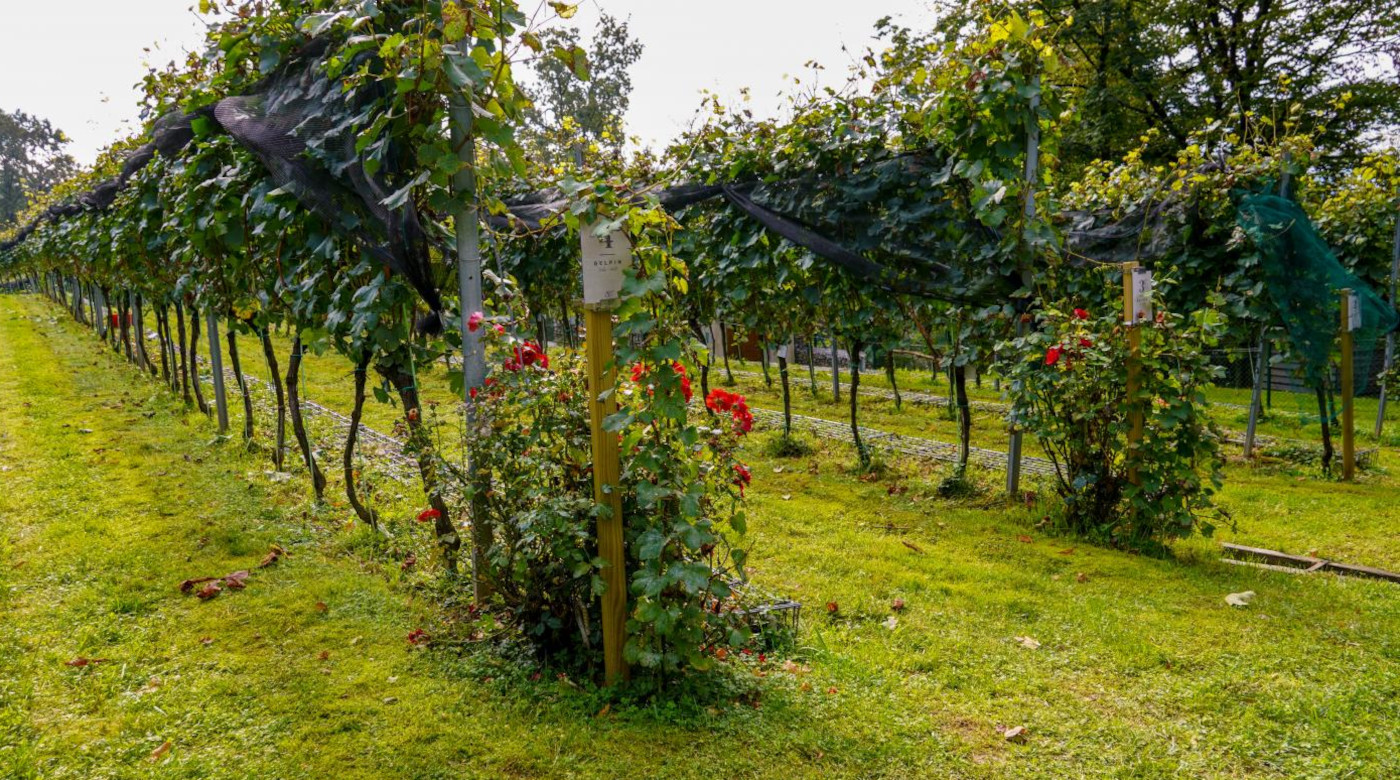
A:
(1135, 421)
(602, 377)
(1348, 390)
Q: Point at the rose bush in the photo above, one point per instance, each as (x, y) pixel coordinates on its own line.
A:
(681, 504)
(1068, 381)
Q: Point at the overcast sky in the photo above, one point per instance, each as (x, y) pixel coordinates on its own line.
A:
(77, 63)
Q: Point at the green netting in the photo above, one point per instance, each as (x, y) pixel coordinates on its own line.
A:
(1305, 280)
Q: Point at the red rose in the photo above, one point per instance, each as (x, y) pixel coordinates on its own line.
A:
(1086, 343)
(1052, 355)
(474, 321)
(1081, 314)
(428, 515)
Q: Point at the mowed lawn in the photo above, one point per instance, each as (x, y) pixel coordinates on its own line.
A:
(1118, 665)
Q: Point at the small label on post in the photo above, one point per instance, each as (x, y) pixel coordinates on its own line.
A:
(1142, 295)
(605, 259)
(1353, 312)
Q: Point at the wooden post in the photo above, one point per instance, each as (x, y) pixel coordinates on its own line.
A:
(1135, 417)
(216, 365)
(602, 402)
(1348, 391)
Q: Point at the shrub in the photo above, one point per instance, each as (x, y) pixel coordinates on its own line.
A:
(1068, 385)
(682, 505)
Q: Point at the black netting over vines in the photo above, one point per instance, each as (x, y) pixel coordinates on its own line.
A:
(302, 126)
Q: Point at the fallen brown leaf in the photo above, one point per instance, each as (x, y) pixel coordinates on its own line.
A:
(81, 662)
(912, 546)
(237, 581)
(321, 606)
(1017, 734)
(209, 591)
(188, 585)
(160, 751)
(1024, 539)
(1070, 551)
(325, 655)
(897, 605)
(1081, 577)
(274, 553)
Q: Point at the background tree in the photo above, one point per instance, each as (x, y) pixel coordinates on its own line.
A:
(32, 161)
(1177, 66)
(568, 109)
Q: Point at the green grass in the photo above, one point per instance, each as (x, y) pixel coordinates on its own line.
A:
(1142, 669)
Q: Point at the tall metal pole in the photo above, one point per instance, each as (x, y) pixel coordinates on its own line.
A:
(1390, 337)
(1031, 176)
(467, 223)
(1348, 391)
(216, 365)
(1256, 398)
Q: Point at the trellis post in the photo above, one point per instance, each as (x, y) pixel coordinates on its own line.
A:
(1256, 397)
(1351, 319)
(467, 224)
(604, 260)
(1030, 176)
(216, 366)
(1133, 312)
(1390, 337)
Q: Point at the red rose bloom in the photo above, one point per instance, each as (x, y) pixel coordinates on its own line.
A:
(720, 400)
(1052, 355)
(428, 515)
(1085, 343)
(742, 477)
(1081, 314)
(474, 321)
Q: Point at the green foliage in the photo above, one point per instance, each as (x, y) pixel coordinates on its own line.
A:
(1068, 380)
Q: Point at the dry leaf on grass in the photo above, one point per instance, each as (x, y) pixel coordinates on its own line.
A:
(1028, 642)
(1016, 734)
(160, 751)
(274, 553)
(80, 662)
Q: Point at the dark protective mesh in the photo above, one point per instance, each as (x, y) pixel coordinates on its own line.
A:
(1304, 282)
(301, 126)
(1145, 233)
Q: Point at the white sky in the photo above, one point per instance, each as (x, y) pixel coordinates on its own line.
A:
(77, 63)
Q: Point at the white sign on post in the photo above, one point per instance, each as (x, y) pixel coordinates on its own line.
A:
(1142, 295)
(605, 258)
(1353, 312)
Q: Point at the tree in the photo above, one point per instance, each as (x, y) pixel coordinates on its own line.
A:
(568, 109)
(32, 160)
(1177, 66)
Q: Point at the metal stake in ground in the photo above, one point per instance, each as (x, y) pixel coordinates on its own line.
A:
(1351, 320)
(1390, 337)
(216, 362)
